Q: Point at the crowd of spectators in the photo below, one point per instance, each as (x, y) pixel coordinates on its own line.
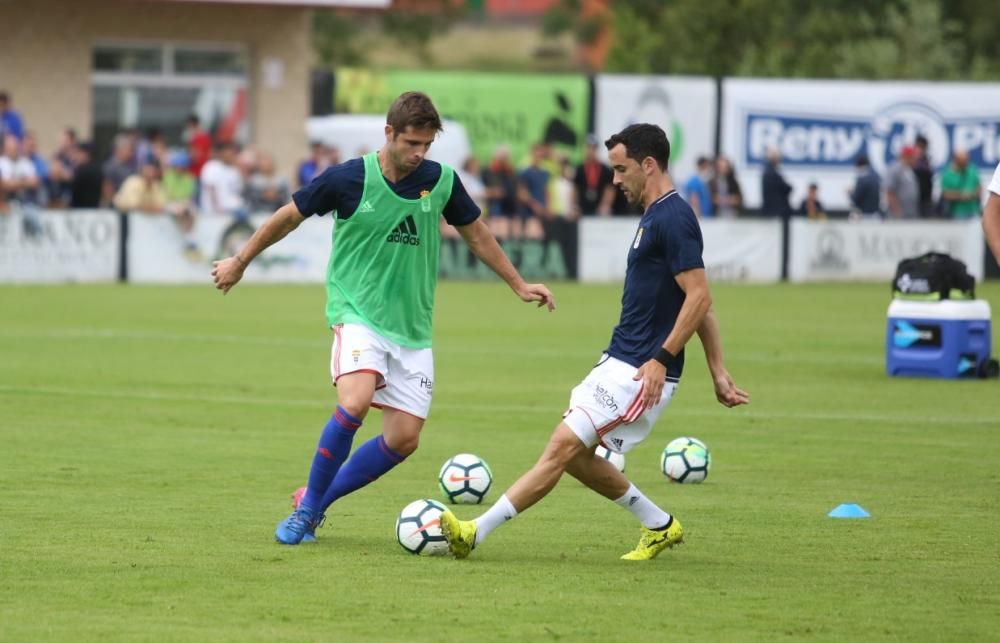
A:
(143, 173)
(907, 191)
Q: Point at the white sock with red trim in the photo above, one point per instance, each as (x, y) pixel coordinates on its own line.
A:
(651, 516)
(498, 514)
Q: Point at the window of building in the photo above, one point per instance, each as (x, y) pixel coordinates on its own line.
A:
(149, 86)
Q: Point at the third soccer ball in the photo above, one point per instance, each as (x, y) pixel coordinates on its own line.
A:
(686, 460)
(465, 479)
(616, 459)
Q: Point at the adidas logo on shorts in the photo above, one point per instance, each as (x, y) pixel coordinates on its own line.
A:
(405, 232)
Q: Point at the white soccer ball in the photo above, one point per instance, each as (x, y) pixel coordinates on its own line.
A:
(465, 479)
(418, 528)
(686, 460)
(617, 459)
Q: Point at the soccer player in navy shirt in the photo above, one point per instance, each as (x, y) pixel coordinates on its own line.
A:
(666, 300)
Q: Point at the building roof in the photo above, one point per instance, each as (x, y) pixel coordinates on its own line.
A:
(360, 4)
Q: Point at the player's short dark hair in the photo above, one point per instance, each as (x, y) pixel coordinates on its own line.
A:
(642, 140)
(413, 109)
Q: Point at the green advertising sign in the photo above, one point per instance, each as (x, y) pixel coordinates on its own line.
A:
(513, 109)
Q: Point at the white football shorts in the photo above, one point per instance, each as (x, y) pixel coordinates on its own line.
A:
(607, 408)
(404, 377)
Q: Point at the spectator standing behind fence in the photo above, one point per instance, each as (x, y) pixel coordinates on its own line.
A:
(727, 196)
(178, 190)
(925, 177)
(29, 150)
(320, 158)
(20, 184)
(222, 184)
(811, 207)
(533, 193)
(199, 144)
(266, 191)
(142, 192)
(88, 178)
(592, 181)
(991, 216)
(61, 169)
(774, 188)
(960, 189)
(866, 197)
(119, 167)
(562, 194)
(10, 121)
(697, 192)
(500, 180)
(901, 189)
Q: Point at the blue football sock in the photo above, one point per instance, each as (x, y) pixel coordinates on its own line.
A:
(333, 448)
(369, 462)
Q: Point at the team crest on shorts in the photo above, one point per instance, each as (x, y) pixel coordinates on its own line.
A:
(356, 354)
(638, 238)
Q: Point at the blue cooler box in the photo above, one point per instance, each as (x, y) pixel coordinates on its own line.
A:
(946, 339)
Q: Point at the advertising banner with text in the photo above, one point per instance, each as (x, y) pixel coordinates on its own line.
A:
(870, 250)
(820, 128)
(77, 246)
(156, 252)
(735, 251)
(517, 110)
(685, 107)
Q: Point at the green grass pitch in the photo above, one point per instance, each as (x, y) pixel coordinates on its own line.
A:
(150, 438)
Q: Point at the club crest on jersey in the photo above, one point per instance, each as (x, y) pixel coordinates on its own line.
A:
(638, 238)
(425, 203)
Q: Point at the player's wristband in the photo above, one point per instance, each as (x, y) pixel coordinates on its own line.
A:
(665, 357)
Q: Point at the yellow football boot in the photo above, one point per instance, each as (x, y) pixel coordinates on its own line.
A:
(460, 534)
(653, 541)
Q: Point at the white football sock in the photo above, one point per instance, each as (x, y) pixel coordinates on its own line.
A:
(651, 516)
(498, 514)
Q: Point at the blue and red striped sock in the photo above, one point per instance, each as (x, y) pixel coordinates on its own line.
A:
(331, 452)
(370, 461)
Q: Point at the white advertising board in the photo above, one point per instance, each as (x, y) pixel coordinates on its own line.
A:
(820, 128)
(870, 250)
(156, 251)
(685, 107)
(75, 246)
(744, 251)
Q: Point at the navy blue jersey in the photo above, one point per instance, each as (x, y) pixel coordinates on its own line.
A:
(667, 243)
(339, 189)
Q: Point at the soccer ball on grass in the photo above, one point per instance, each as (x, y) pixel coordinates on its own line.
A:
(686, 460)
(418, 528)
(465, 479)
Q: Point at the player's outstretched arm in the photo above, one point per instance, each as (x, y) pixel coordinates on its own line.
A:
(227, 272)
(484, 245)
(726, 391)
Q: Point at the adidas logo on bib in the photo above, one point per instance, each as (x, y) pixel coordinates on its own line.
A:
(366, 207)
(405, 232)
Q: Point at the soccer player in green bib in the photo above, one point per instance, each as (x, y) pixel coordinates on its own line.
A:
(380, 286)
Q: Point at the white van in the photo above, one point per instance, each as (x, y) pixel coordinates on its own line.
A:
(356, 134)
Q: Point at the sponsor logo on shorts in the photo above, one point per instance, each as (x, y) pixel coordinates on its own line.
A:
(427, 383)
(605, 398)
